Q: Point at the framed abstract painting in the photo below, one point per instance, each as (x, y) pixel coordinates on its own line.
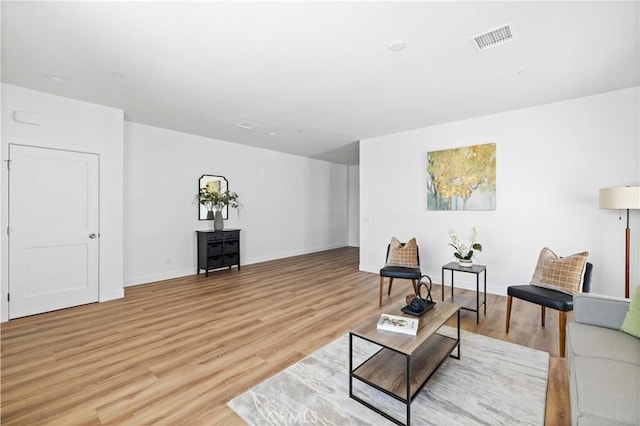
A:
(462, 178)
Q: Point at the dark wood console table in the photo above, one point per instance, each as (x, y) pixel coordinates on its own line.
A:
(218, 249)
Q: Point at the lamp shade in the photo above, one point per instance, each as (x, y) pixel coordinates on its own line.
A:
(624, 197)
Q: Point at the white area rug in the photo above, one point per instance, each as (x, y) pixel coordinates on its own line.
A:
(494, 383)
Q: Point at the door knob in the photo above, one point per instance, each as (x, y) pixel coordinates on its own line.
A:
(92, 236)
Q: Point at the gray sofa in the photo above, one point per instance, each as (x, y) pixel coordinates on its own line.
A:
(604, 363)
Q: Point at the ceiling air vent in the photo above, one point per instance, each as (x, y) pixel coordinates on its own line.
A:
(248, 125)
(492, 38)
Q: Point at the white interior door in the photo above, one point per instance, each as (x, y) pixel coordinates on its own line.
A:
(53, 229)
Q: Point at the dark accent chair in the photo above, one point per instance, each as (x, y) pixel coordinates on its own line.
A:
(403, 272)
(548, 298)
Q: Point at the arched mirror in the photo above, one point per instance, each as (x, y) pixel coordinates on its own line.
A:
(209, 184)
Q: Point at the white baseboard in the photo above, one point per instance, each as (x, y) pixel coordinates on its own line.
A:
(283, 255)
(111, 295)
(145, 279)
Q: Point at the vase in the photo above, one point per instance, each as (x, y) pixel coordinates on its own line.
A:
(218, 222)
(465, 263)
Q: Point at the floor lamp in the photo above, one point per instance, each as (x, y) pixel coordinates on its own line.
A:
(622, 198)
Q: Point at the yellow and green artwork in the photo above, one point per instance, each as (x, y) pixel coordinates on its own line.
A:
(462, 178)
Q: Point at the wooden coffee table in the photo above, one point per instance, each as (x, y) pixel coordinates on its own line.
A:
(404, 363)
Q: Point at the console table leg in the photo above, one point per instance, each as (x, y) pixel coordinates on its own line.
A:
(485, 292)
(350, 364)
(477, 298)
(452, 285)
(459, 334)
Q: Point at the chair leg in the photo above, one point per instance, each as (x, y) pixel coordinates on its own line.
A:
(509, 300)
(542, 315)
(381, 286)
(415, 288)
(562, 320)
(390, 284)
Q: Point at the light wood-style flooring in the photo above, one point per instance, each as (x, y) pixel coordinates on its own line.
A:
(174, 352)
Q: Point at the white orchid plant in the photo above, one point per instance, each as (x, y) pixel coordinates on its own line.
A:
(464, 251)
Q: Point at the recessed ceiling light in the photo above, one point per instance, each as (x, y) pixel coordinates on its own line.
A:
(272, 133)
(248, 125)
(521, 72)
(397, 45)
(117, 75)
(56, 78)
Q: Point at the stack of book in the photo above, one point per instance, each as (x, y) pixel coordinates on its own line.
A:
(398, 324)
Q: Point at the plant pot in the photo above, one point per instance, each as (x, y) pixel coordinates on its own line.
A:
(218, 222)
(465, 263)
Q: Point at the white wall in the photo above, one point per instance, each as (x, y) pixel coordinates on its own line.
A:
(77, 126)
(292, 205)
(551, 161)
(354, 206)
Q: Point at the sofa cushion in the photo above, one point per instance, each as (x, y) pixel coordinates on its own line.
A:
(631, 323)
(605, 343)
(606, 389)
(405, 255)
(560, 273)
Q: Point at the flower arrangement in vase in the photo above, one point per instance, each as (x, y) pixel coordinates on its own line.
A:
(464, 252)
(214, 201)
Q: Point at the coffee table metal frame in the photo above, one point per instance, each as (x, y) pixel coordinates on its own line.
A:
(419, 356)
(465, 302)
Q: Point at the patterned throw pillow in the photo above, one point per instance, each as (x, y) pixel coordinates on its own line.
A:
(403, 255)
(564, 274)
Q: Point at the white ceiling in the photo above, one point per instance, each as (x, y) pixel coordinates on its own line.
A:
(317, 76)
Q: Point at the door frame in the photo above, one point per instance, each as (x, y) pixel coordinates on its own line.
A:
(4, 220)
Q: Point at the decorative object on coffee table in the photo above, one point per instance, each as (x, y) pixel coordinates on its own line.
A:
(416, 304)
(398, 324)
